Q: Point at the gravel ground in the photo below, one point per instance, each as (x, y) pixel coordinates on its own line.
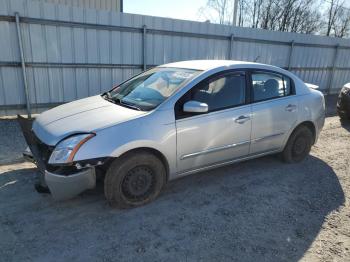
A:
(12, 142)
(259, 210)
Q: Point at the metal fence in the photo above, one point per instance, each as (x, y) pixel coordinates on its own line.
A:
(70, 53)
(111, 5)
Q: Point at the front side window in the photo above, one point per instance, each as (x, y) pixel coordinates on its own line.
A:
(269, 85)
(149, 89)
(221, 92)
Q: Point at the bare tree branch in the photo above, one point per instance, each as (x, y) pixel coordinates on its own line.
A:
(300, 16)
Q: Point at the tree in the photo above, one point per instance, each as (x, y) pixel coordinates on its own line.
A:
(338, 19)
(332, 14)
(342, 27)
(300, 16)
(218, 11)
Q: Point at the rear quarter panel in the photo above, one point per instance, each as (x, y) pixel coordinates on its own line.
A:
(311, 107)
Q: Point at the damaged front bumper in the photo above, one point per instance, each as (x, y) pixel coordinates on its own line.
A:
(28, 155)
(64, 185)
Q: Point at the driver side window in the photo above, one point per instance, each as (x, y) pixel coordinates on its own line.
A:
(220, 92)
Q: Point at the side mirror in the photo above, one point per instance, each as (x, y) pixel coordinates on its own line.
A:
(195, 107)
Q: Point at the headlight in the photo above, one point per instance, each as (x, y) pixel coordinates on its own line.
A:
(346, 89)
(66, 149)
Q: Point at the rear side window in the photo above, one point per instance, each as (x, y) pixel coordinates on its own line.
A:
(221, 92)
(270, 85)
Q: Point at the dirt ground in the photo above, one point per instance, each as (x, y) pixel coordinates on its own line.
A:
(259, 210)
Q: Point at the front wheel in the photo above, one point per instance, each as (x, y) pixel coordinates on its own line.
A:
(298, 145)
(134, 180)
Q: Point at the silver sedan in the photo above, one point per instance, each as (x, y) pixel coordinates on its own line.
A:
(170, 121)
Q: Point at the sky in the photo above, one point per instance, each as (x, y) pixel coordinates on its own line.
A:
(179, 9)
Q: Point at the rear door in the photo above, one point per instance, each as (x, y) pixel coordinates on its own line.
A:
(221, 134)
(274, 110)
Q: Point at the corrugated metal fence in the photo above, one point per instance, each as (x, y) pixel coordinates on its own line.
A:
(111, 5)
(70, 53)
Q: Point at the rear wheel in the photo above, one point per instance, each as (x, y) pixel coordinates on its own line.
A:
(298, 145)
(134, 180)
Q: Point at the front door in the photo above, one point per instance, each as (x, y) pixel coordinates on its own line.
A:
(220, 135)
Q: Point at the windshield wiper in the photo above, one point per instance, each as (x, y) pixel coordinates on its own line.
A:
(108, 94)
(130, 105)
(114, 100)
(108, 97)
(119, 101)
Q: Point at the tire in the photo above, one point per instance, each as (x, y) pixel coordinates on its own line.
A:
(134, 180)
(298, 145)
(343, 116)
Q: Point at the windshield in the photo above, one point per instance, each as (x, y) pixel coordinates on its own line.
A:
(149, 89)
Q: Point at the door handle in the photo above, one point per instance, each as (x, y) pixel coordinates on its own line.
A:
(290, 108)
(242, 119)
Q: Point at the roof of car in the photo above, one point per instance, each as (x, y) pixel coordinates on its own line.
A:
(208, 64)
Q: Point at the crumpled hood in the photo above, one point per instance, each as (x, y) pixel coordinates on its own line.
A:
(81, 116)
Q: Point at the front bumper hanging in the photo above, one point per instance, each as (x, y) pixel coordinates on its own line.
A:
(36, 155)
(65, 187)
(62, 186)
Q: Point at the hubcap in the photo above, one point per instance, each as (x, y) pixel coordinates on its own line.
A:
(299, 146)
(138, 184)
